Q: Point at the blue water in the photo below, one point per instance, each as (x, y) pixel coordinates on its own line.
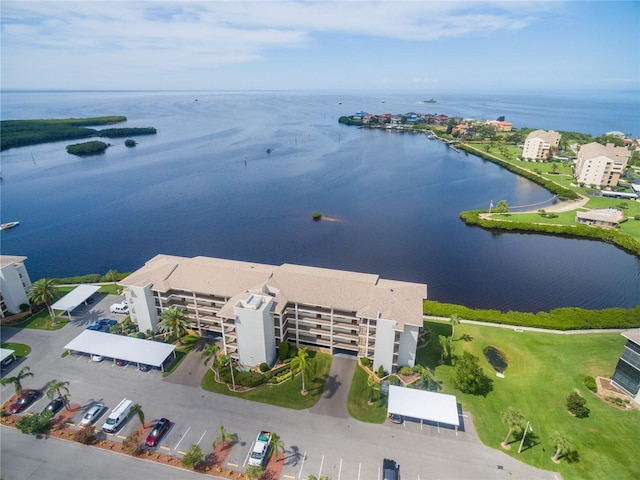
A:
(205, 185)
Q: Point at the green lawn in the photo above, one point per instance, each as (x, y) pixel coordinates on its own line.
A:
(358, 401)
(20, 349)
(543, 370)
(286, 394)
(41, 320)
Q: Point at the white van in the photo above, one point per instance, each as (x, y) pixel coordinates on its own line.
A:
(117, 416)
(120, 308)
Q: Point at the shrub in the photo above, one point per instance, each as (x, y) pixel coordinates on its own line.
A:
(365, 362)
(405, 371)
(193, 457)
(590, 383)
(576, 405)
(264, 367)
(380, 371)
(86, 435)
(469, 377)
(36, 423)
(24, 307)
(140, 335)
(132, 444)
(283, 351)
(393, 380)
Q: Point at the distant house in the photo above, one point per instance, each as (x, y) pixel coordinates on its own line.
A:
(601, 165)
(14, 284)
(501, 126)
(540, 144)
(604, 217)
(627, 374)
(460, 129)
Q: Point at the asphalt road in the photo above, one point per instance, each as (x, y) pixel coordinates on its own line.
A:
(317, 441)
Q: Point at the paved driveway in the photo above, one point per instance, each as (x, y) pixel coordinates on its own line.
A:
(334, 398)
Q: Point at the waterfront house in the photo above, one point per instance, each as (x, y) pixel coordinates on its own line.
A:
(539, 144)
(14, 284)
(256, 307)
(627, 374)
(602, 217)
(601, 165)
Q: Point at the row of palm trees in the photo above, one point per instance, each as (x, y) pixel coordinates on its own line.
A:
(52, 389)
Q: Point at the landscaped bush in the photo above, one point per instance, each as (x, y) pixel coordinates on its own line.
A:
(264, 367)
(24, 307)
(283, 351)
(380, 371)
(393, 380)
(590, 383)
(405, 371)
(365, 362)
(86, 435)
(558, 319)
(576, 405)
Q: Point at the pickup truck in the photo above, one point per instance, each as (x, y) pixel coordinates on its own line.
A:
(260, 449)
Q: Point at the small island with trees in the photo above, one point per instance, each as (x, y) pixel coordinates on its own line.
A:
(21, 133)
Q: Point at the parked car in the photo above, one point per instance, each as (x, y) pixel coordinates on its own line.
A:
(24, 400)
(144, 368)
(54, 406)
(395, 418)
(107, 321)
(96, 358)
(7, 361)
(158, 431)
(390, 470)
(94, 327)
(120, 363)
(92, 414)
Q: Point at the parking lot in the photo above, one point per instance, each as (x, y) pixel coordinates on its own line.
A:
(315, 444)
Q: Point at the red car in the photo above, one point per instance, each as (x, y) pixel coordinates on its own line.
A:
(24, 400)
(158, 431)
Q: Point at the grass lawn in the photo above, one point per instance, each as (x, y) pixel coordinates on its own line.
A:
(20, 349)
(358, 401)
(41, 320)
(543, 370)
(286, 394)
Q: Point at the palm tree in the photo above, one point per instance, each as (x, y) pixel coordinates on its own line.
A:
(277, 446)
(17, 380)
(455, 320)
(57, 387)
(562, 445)
(43, 292)
(515, 421)
(137, 410)
(174, 321)
(373, 385)
(223, 436)
(444, 347)
(210, 350)
(112, 276)
(426, 376)
(301, 362)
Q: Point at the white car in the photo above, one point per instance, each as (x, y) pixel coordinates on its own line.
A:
(96, 358)
(92, 414)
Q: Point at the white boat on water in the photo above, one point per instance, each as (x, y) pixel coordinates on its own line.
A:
(8, 225)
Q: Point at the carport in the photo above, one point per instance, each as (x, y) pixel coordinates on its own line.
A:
(6, 353)
(133, 350)
(431, 406)
(74, 298)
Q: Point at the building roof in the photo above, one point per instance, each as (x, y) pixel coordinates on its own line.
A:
(134, 350)
(366, 294)
(5, 353)
(550, 136)
(10, 259)
(601, 215)
(75, 297)
(431, 406)
(633, 335)
(595, 150)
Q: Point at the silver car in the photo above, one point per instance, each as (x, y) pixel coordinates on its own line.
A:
(92, 414)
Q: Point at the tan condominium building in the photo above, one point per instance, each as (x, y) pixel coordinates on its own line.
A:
(601, 165)
(14, 285)
(256, 307)
(539, 144)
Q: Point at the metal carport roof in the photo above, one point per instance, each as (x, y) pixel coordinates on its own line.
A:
(75, 297)
(431, 406)
(5, 353)
(134, 350)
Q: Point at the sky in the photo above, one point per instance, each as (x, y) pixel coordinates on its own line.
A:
(518, 46)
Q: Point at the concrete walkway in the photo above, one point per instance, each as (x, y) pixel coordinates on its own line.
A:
(333, 401)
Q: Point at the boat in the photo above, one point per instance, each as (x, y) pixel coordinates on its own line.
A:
(8, 225)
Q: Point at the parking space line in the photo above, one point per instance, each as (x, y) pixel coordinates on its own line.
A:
(165, 448)
(321, 463)
(246, 459)
(359, 469)
(205, 432)
(181, 452)
(232, 464)
(340, 469)
(122, 437)
(184, 435)
(304, 457)
(288, 476)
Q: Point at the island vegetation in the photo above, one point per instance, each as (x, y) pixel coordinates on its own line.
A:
(87, 148)
(21, 133)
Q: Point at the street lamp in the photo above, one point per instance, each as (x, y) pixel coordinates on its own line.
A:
(527, 428)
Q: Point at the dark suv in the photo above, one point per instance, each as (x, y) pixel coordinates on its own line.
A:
(390, 470)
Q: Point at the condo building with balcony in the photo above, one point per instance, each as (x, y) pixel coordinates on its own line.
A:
(601, 165)
(14, 284)
(627, 373)
(256, 307)
(539, 144)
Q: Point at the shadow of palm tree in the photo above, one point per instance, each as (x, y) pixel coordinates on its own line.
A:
(292, 456)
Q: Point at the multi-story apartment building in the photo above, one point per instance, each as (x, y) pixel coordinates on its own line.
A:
(14, 284)
(256, 307)
(601, 165)
(627, 374)
(539, 144)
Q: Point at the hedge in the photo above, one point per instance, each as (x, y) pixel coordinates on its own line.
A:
(608, 235)
(556, 319)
